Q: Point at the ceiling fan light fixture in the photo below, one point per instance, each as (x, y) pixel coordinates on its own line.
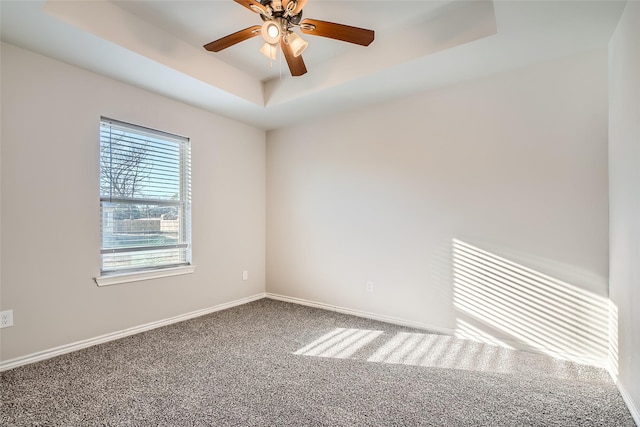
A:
(271, 32)
(269, 50)
(297, 43)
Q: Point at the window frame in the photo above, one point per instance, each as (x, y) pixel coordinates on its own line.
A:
(182, 145)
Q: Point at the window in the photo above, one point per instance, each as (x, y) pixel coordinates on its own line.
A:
(145, 197)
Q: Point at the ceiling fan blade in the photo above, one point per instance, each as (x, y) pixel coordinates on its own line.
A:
(254, 6)
(335, 31)
(231, 39)
(296, 64)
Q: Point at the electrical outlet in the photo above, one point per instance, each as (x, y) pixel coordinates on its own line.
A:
(245, 274)
(6, 318)
(369, 286)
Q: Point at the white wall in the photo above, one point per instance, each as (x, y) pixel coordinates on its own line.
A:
(514, 167)
(624, 198)
(50, 206)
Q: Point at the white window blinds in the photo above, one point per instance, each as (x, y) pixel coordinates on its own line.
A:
(145, 198)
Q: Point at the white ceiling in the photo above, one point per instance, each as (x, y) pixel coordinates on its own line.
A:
(419, 45)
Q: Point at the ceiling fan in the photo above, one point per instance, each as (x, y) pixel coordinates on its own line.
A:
(279, 18)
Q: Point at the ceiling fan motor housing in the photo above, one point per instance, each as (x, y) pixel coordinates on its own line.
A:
(277, 11)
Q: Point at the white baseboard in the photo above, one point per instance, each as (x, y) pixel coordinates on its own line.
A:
(365, 314)
(633, 407)
(79, 345)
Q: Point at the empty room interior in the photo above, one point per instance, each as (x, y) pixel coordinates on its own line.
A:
(431, 219)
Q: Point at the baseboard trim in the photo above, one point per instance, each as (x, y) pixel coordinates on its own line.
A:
(79, 345)
(631, 405)
(360, 313)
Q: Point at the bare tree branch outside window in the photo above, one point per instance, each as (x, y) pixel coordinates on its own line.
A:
(124, 168)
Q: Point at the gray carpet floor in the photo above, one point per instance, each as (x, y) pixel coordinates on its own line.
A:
(270, 363)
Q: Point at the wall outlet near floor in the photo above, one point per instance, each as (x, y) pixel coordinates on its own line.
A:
(245, 274)
(6, 318)
(369, 286)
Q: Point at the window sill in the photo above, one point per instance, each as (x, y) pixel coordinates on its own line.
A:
(116, 279)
